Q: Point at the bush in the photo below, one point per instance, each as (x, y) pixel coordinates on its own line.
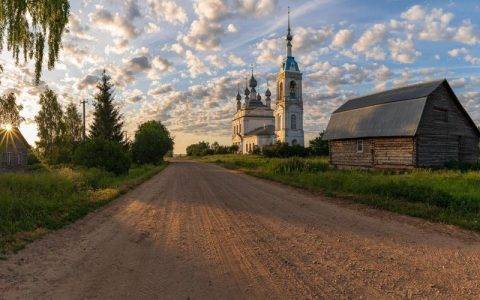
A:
(319, 147)
(296, 164)
(107, 155)
(32, 158)
(152, 142)
(284, 150)
(204, 148)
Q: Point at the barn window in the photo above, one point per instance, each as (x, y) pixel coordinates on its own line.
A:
(294, 122)
(359, 146)
(440, 114)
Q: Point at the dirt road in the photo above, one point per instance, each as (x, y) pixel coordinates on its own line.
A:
(200, 231)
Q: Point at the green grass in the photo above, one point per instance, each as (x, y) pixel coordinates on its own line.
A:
(447, 196)
(36, 202)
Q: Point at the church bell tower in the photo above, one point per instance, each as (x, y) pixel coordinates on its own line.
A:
(289, 104)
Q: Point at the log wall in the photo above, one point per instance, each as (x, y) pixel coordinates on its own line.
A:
(396, 152)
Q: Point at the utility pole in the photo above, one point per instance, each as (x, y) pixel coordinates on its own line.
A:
(83, 102)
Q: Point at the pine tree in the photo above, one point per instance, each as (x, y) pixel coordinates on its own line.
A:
(73, 124)
(107, 121)
(29, 27)
(51, 129)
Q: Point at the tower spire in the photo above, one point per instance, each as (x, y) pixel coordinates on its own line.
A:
(289, 36)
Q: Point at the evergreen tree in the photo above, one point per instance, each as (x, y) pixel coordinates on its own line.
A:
(73, 124)
(29, 26)
(51, 128)
(107, 121)
(10, 110)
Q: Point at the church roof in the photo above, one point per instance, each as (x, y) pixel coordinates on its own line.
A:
(289, 64)
(265, 130)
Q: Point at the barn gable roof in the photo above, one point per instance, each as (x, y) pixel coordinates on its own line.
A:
(12, 138)
(390, 113)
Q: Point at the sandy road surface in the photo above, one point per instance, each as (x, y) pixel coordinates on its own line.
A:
(200, 231)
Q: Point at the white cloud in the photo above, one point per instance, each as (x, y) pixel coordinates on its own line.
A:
(195, 65)
(212, 10)
(465, 54)
(414, 13)
(342, 38)
(116, 24)
(236, 60)
(232, 28)
(168, 11)
(370, 38)
(403, 51)
(467, 34)
(257, 8)
(204, 35)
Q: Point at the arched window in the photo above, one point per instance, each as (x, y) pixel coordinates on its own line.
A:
(280, 91)
(294, 142)
(293, 89)
(293, 122)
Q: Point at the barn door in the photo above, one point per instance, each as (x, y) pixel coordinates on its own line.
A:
(463, 149)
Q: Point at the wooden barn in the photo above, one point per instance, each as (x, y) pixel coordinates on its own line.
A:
(421, 125)
(13, 149)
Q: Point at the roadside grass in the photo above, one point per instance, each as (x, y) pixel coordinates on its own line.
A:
(447, 196)
(34, 203)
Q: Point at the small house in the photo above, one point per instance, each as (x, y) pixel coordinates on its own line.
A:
(422, 125)
(13, 148)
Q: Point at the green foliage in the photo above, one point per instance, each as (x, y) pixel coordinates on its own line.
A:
(319, 147)
(32, 158)
(204, 148)
(152, 142)
(73, 124)
(284, 150)
(51, 129)
(103, 154)
(29, 26)
(10, 110)
(50, 199)
(451, 196)
(107, 120)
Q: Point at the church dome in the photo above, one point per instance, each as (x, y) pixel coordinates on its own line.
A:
(259, 98)
(247, 91)
(238, 96)
(268, 93)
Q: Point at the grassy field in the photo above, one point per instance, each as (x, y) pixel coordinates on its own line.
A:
(448, 196)
(31, 204)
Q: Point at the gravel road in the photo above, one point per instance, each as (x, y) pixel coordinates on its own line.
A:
(202, 232)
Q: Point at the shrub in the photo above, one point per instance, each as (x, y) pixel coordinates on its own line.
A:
(107, 155)
(32, 158)
(204, 148)
(284, 150)
(296, 164)
(152, 142)
(319, 147)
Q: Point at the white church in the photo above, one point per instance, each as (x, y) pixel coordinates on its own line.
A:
(257, 124)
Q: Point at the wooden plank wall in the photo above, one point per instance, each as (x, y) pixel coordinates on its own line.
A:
(442, 141)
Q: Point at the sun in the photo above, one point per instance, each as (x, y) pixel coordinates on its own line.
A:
(8, 127)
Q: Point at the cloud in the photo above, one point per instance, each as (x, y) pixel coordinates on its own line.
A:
(132, 9)
(232, 28)
(369, 39)
(134, 96)
(236, 60)
(87, 81)
(212, 10)
(414, 13)
(159, 89)
(467, 34)
(257, 8)
(342, 38)
(116, 24)
(168, 11)
(403, 51)
(204, 35)
(195, 65)
(78, 30)
(465, 54)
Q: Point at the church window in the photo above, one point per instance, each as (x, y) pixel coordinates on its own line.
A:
(293, 122)
(293, 89)
(280, 91)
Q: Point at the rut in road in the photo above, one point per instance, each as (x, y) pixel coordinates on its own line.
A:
(200, 231)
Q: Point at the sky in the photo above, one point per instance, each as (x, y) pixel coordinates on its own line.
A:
(180, 62)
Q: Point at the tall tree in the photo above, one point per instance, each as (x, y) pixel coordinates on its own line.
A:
(10, 110)
(29, 26)
(73, 124)
(152, 142)
(107, 120)
(51, 128)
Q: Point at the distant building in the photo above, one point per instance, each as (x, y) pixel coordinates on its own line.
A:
(256, 124)
(13, 149)
(422, 125)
